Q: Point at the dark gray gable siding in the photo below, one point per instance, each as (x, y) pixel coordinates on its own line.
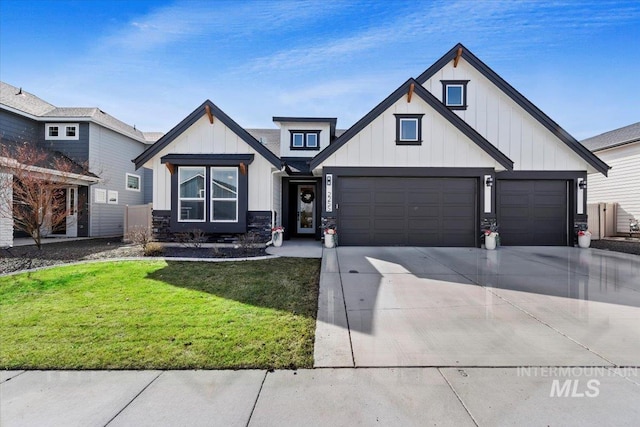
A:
(519, 99)
(191, 119)
(77, 149)
(16, 128)
(435, 104)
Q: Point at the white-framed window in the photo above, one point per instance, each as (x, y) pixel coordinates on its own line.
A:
(191, 193)
(61, 131)
(305, 140)
(100, 195)
(224, 194)
(408, 129)
(112, 197)
(454, 94)
(297, 140)
(132, 182)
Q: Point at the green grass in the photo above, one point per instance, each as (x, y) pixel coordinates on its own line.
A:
(159, 315)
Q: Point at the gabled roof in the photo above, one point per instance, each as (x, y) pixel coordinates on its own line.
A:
(519, 99)
(21, 101)
(614, 138)
(194, 117)
(435, 104)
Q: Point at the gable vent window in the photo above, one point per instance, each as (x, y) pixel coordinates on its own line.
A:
(408, 129)
(305, 139)
(61, 131)
(454, 94)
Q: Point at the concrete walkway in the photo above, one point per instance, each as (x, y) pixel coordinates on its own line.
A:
(520, 336)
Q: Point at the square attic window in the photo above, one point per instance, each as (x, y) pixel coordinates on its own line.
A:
(454, 94)
(408, 129)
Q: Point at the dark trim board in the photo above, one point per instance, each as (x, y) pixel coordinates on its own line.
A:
(541, 174)
(207, 159)
(519, 99)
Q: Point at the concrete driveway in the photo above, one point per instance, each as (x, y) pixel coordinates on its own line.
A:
(467, 307)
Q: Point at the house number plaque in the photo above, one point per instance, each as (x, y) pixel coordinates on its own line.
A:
(329, 192)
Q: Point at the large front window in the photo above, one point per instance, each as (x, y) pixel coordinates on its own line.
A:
(224, 194)
(192, 194)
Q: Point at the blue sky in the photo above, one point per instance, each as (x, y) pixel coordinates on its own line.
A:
(150, 63)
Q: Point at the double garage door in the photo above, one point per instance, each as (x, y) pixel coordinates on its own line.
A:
(380, 211)
(402, 211)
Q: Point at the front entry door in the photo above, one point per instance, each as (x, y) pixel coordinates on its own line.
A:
(72, 212)
(306, 209)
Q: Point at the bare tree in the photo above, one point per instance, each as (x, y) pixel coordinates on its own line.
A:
(33, 183)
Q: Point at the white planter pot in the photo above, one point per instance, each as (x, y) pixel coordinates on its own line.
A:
(277, 239)
(328, 240)
(584, 241)
(490, 241)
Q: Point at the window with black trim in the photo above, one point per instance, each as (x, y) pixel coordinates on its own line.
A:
(408, 129)
(454, 94)
(305, 139)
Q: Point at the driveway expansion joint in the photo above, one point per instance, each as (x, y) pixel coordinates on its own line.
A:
(134, 398)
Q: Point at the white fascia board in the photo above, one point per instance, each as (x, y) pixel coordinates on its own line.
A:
(9, 163)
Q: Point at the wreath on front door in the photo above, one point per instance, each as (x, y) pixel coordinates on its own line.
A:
(307, 196)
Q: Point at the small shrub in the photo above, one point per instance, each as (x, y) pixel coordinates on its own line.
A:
(192, 238)
(248, 241)
(139, 235)
(153, 249)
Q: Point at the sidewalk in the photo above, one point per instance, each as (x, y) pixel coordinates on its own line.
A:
(318, 397)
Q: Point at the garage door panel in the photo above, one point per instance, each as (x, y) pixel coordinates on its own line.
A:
(532, 212)
(410, 211)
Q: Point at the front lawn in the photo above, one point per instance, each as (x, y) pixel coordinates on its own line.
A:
(161, 315)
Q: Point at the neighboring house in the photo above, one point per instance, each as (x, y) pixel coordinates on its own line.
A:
(92, 138)
(620, 148)
(442, 158)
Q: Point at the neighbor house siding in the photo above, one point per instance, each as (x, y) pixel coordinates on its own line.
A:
(443, 145)
(110, 155)
(203, 137)
(621, 186)
(505, 124)
(18, 128)
(6, 219)
(277, 197)
(77, 150)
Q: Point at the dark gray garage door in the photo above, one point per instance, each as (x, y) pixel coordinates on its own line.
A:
(532, 212)
(379, 211)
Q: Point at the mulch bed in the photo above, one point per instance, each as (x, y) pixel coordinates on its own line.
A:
(26, 257)
(631, 246)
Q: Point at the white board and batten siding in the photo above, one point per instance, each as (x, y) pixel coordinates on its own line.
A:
(505, 124)
(110, 155)
(443, 145)
(205, 138)
(621, 186)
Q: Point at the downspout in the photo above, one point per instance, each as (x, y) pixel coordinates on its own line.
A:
(273, 212)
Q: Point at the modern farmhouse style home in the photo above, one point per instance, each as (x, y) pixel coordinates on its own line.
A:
(446, 155)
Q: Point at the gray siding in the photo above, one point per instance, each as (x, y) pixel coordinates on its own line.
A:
(77, 149)
(147, 180)
(110, 155)
(17, 128)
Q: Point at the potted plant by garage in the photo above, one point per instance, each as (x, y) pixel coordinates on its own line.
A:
(276, 235)
(330, 237)
(491, 237)
(584, 238)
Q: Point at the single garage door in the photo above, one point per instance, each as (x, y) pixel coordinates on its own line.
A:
(381, 211)
(532, 212)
